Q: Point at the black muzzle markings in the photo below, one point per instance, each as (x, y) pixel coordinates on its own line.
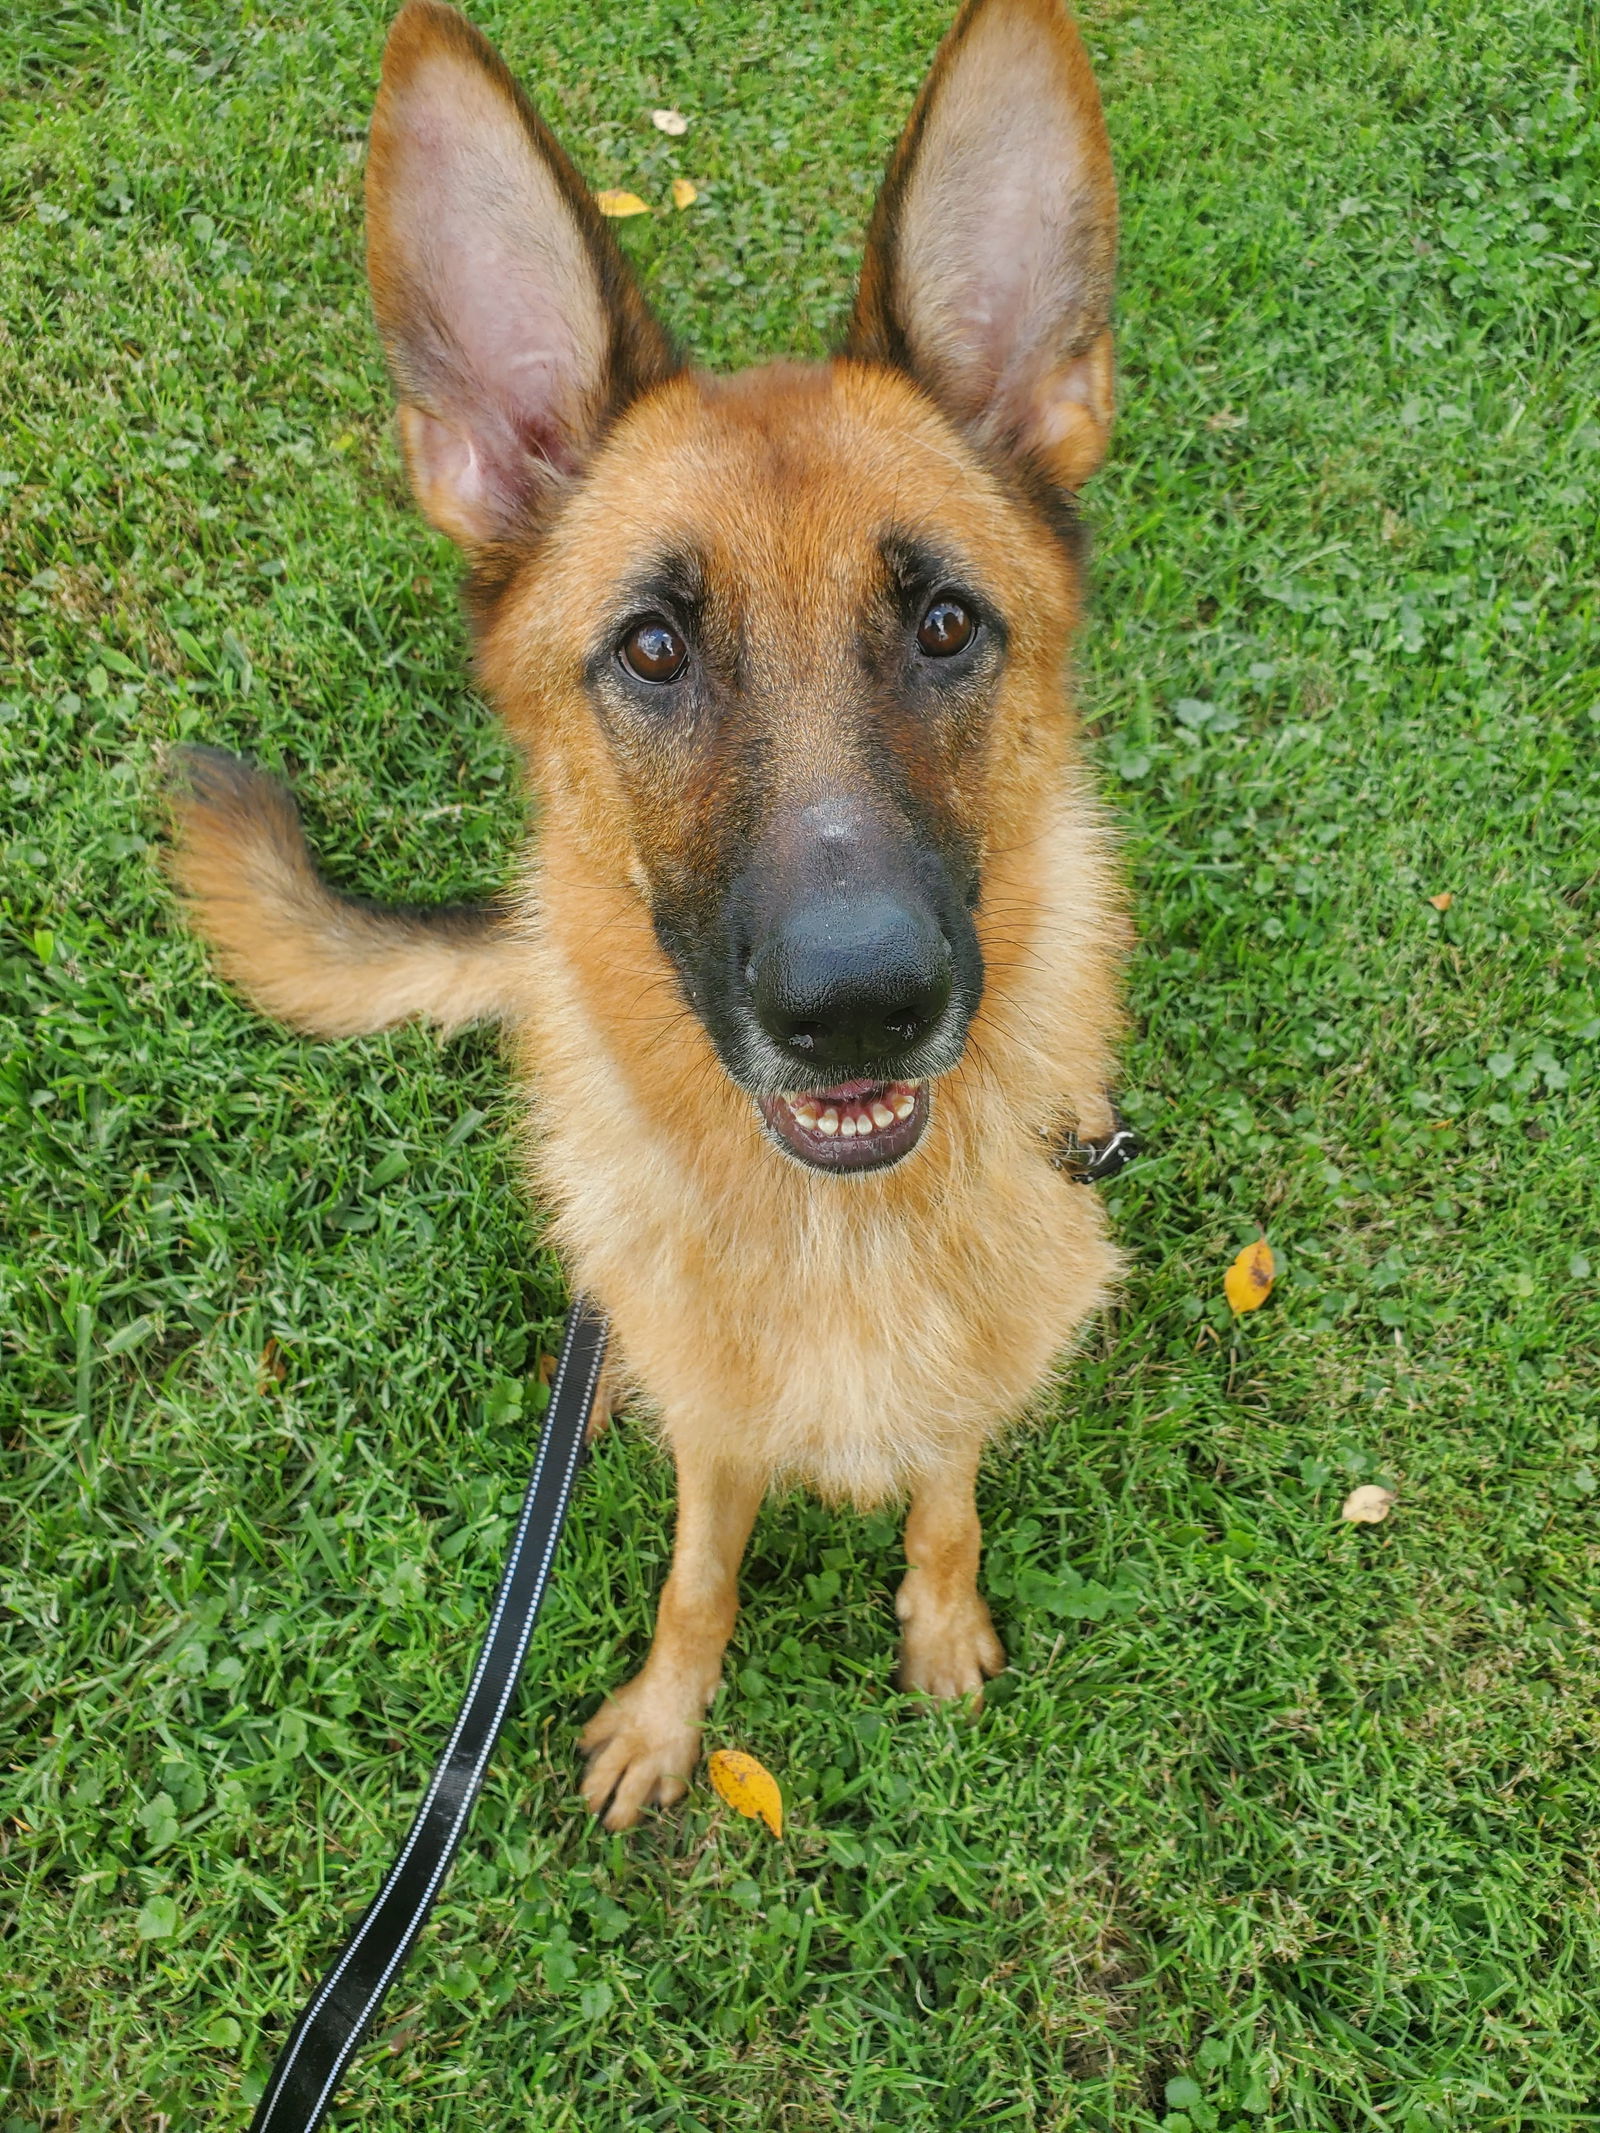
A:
(820, 925)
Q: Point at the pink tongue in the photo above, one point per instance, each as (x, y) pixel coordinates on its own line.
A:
(844, 1092)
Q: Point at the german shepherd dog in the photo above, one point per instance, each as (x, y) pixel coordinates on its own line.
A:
(818, 947)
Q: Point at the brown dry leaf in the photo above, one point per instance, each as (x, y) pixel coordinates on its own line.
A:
(746, 1786)
(1248, 1282)
(1368, 1506)
(272, 1368)
(672, 122)
(616, 205)
(545, 1369)
(1442, 901)
(684, 192)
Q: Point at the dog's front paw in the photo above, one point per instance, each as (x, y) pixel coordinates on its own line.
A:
(948, 1647)
(642, 1747)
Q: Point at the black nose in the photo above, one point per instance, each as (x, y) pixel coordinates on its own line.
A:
(851, 982)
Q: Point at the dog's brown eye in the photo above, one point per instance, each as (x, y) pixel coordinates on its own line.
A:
(653, 650)
(945, 628)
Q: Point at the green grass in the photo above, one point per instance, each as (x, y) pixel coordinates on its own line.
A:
(1277, 1822)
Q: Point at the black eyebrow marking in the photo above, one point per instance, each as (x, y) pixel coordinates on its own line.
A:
(673, 583)
(914, 566)
(675, 580)
(916, 569)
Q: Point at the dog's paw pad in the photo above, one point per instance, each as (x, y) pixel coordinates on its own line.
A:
(949, 1652)
(639, 1757)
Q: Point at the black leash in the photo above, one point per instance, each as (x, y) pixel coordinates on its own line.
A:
(325, 2038)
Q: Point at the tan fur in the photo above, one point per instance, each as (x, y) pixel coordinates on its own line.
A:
(864, 1335)
(306, 955)
(851, 1372)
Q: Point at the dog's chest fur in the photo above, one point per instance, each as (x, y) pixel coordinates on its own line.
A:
(841, 1332)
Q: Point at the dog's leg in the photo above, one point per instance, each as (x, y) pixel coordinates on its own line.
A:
(947, 1641)
(643, 1742)
(603, 1407)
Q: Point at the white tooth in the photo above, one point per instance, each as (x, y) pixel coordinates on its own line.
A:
(847, 1126)
(806, 1113)
(881, 1114)
(863, 1122)
(828, 1123)
(904, 1106)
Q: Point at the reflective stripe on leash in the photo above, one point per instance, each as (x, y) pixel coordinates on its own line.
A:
(341, 2010)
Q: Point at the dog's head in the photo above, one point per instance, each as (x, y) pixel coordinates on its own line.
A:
(786, 648)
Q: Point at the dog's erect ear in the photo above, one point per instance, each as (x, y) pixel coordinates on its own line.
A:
(513, 327)
(990, 260)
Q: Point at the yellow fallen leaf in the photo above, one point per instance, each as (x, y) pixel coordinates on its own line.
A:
(672, 122)
(1248, 1282)
(684, 194)
(746, 1786)
(1368, 1506)
(1442, 901)
(619, 204)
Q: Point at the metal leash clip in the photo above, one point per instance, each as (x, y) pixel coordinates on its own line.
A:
(1092, 1162)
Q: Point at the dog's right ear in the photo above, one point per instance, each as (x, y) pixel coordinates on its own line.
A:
(514, 329)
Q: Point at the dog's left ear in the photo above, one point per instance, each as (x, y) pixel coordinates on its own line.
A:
(992, 251)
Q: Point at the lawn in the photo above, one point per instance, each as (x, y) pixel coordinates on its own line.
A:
(1278, 1821)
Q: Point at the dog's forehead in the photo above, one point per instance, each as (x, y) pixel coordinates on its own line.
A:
(785, 482)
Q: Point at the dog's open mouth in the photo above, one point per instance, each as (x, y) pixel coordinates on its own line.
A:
(859, 1125)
